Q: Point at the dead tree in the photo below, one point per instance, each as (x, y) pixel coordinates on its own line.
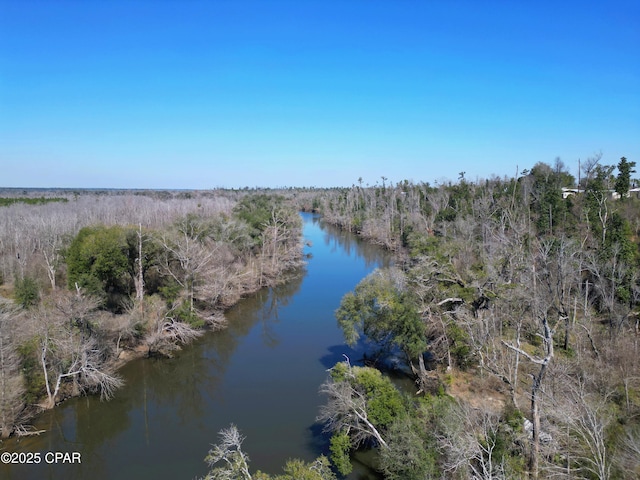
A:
(69, 351)
(469, 444)
(587, 419)
(228, 452)
(11, 381)
(138, 269)
(536, 385)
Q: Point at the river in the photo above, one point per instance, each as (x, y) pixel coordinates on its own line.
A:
(262, 374)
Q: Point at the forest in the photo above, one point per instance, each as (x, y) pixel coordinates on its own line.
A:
(103, 277)
(512, 304)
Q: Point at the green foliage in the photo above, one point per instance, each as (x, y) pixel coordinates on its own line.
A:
(412, 452)
(5, 201)
(483, 261)
(299, 470)
(185, 314)
(384, 402)
(193, 226)
(151, 250)
(384, 312)
(341, 372)
(296, 469)
(229, 462)
(170, 291)
(362, 406)
(514, 418)
(26, 292)
(232, 232)
(423, 245)
(103, 261)
(595, 196)
(618, 240)
(623, 180)
(460, 345)
(433, 408)
(347, 315)
(98, 261)
(619, 249)
(447, 214)
(547, 202)
(257, 211)
(32, 371)
(340, 446)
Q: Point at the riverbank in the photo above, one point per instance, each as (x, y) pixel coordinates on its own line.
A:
(100, 281)
(261, 373)
(161, 339)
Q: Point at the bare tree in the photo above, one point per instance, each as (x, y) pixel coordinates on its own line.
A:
(228, 452)
(11, 381)
(219, 278)
(562, 268)
(536, 386)
(628, 454)
(168, 334)
(495, 359)
(188, 254)
(50, 246)
(581, 417)
(589, 166)
(32, 236)
(138, 277)
(346, 409)
(280, 241)
(542, 308)
(469, 444)
(68, 350)
(610, 276)
(426, 279)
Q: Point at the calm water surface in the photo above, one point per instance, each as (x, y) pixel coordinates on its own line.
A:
(262, 373)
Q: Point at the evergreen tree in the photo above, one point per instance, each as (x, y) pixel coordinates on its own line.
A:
(26, 292)
(623, 180)
(98, 262)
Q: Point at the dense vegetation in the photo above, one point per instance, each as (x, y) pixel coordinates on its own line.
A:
(88, 283)
(513, 304)
(515, 308)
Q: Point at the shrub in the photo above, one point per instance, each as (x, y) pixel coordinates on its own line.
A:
(26, 292)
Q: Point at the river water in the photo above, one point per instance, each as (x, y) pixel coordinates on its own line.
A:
(262, 374)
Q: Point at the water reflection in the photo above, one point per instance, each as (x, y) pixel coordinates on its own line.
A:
(261, 373)
(340, 241)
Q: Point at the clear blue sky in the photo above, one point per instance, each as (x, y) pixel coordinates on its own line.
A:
(201, 94)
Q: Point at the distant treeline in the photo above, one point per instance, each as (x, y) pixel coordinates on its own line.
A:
(6, 201)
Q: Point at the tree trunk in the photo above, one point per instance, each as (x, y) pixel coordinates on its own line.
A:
(535, 400)
(535, 391)
(139, 280)
(43, 360)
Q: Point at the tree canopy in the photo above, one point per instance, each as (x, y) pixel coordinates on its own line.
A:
(97, 261)
(384, 311)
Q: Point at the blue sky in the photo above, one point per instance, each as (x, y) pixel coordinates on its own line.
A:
(204, 94)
